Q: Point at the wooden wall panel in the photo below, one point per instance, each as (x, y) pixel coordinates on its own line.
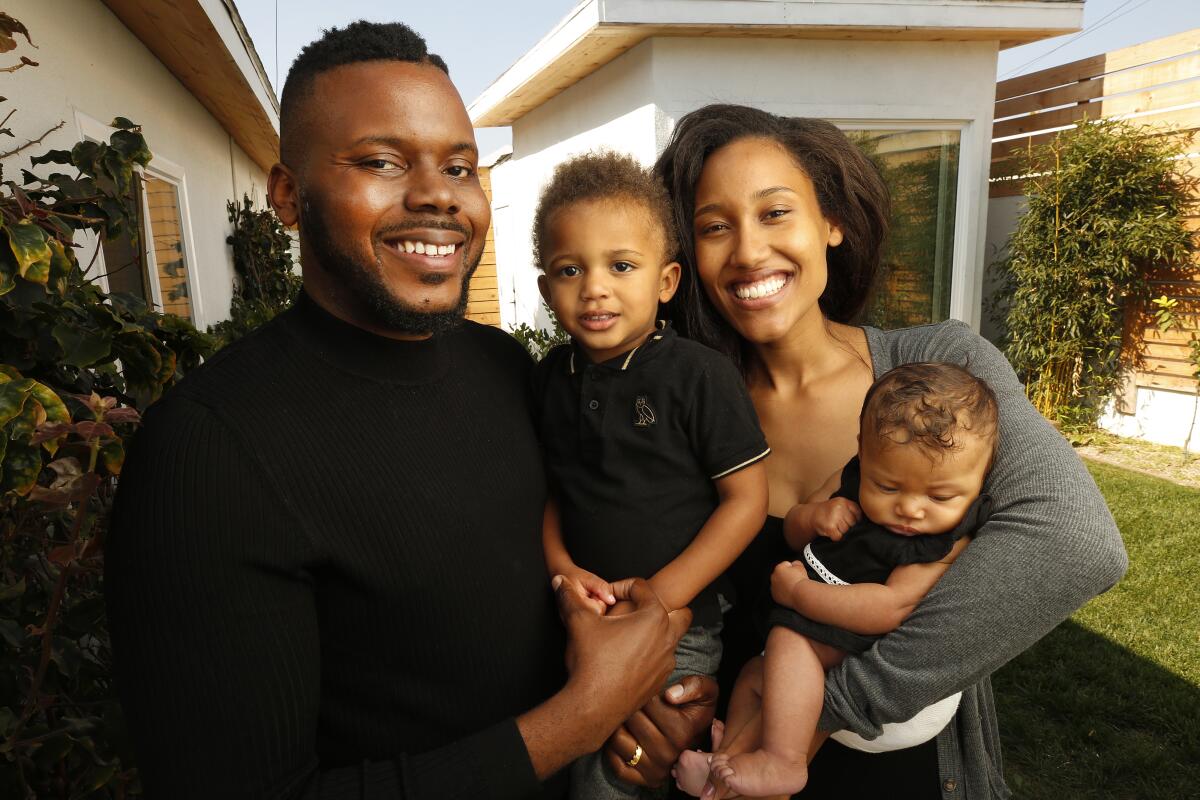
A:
(483, 299)
(1157, 84)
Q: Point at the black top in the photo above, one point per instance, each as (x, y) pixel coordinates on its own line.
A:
(633, 446)
(325, 575)
(868, 552)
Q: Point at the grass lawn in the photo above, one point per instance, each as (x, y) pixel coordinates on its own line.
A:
(1108, 704)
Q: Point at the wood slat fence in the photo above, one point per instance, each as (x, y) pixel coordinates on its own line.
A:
(483, 300)
(1156, 83)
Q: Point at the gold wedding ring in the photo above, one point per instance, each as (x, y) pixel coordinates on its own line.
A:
(636, 757)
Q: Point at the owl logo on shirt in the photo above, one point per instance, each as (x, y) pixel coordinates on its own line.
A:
(643, 414)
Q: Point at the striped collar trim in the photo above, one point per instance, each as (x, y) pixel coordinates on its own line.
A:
(662, 326)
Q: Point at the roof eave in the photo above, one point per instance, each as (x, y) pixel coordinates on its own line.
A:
(594, 33)
(206, 47)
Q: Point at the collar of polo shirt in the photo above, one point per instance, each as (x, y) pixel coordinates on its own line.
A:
(623, 361)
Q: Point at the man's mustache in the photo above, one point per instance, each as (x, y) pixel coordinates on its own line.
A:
(426, 223)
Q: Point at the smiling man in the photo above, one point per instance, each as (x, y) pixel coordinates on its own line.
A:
(325, 575)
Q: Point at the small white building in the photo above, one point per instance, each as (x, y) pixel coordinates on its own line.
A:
(913, 80)
(185, 71)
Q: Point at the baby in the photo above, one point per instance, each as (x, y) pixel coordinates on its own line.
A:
(652, 446)
(905, 509)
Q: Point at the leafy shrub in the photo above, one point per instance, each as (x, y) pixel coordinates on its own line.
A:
(266, 281)
(1106, 202)
(75, 365)
(539, 341)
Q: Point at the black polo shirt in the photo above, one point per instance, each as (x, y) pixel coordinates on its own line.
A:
(633, 446)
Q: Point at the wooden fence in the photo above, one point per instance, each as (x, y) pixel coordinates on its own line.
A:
(483, 301)
(1156, 83)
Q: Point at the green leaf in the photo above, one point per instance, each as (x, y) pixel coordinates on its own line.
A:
(86, 156)
(60, 263)
(22, 464)
(12, 633)
(25, 423)
(13, 395)
(28, 244)
(132, 146)
(7, 284)
(112, 456)
(56, 410)
(123, 124)
(82, 348)
(53, 157)
(11, 592)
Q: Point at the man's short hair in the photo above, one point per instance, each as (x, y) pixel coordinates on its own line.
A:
(931, 404)
(357, 42)
(603, 175)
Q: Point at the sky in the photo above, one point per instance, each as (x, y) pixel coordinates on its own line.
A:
(480, 39)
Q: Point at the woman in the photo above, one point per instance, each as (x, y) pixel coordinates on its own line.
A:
(787, 220)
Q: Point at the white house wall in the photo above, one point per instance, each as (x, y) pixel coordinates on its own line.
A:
(633, 103)
(92, 67)
(612, 109)
(1159, 415)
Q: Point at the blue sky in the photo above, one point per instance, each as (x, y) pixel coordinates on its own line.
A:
(479, 40)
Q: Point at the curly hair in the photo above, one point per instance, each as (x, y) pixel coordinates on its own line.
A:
(849, 191)
(602, 175)
(357, 42)
(931, 404)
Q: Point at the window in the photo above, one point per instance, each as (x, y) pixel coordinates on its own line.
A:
(157, 270)
(920, 168)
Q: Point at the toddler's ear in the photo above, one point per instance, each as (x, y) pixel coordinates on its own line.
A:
(668, 281)
(544, 287)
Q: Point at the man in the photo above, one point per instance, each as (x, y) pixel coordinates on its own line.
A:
(325, 577)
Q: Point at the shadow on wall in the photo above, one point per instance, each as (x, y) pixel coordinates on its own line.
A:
(1082, 717)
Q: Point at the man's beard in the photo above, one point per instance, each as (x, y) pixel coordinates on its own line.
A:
(367, 286)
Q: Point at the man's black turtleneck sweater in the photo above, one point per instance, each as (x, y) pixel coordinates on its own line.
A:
(325, 576)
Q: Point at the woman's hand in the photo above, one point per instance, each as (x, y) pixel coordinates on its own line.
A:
(671, 722)
(784, 580)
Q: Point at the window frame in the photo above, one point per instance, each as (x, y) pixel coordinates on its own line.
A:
(963, 281)
(170, 172)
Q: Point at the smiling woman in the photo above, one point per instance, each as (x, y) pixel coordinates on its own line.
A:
(787, 219)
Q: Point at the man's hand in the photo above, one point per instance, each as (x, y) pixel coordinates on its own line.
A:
(834, 517)
(617, 663)
(671, 722)
(784, 579)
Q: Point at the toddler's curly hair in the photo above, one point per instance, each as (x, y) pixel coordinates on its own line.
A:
(931, 404)
(603, 175)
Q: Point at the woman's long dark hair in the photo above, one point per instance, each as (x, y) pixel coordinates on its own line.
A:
(849, 190)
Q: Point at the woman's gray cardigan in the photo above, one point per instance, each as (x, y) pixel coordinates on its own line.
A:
(1049, 547)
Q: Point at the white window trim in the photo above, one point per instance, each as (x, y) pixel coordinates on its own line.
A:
(963, 280)
(163, 169)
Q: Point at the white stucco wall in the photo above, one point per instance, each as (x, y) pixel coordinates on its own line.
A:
(1160, 416)
(1003, 214)
(93, 68)
(632, 105)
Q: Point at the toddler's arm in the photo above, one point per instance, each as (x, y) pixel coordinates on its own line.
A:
(820, 515)
(865, 608)
(732, 525)
(558, 561)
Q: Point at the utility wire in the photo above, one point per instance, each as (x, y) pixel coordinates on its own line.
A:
(1100, 23)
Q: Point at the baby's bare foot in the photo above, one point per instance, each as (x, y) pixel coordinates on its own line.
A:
(691, 771)
(757, 774)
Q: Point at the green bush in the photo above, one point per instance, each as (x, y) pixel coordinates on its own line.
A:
(75, 367)
(539, 341)
(1106, 202)
(266, 282)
